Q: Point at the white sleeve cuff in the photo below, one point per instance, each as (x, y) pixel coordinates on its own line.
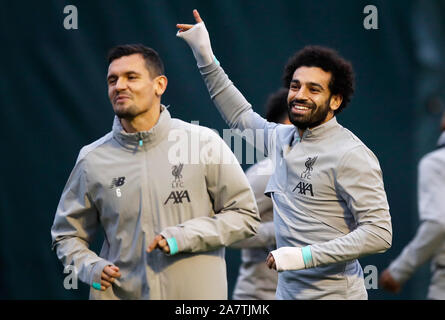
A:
(288, 258)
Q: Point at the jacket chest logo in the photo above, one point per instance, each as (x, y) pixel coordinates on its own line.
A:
(305, 187)
(117, 183)
(176, 172)
(177, 196)
(306, 174)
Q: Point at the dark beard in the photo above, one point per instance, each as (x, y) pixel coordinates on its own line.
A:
(315, 118)
(127, 114)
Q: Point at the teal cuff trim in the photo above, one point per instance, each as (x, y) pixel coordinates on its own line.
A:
(307, 256)
(173, 245)
(96, 286)
(216, 60)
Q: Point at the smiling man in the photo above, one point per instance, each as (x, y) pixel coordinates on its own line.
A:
(146, 200)
(329, 202)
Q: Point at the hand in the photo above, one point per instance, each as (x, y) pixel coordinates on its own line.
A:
(198, 39)
(286, 258)
(388, 283)
(160, 243)
(185, 27)
(270, 261)
(108, 277)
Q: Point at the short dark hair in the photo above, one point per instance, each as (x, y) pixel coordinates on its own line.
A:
(153, 62)
(276, 106)
(342, 79)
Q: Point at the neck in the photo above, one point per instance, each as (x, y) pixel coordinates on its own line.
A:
(142, 122)
(328, 117)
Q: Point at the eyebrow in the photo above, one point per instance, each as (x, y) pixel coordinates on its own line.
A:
(313, 84)
(126, 73)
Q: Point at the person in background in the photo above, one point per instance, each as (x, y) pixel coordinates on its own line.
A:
(429, 241)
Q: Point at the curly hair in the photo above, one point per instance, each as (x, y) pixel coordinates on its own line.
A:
(342, 79)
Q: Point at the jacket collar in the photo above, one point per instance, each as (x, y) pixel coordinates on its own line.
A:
(143, 138)
(320, 132)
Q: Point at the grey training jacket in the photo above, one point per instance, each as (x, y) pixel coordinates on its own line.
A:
(429, 242)
(161, 181)
(327, 192)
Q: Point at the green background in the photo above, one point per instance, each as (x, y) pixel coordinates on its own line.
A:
(54, 100)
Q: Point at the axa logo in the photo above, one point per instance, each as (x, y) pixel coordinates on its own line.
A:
(117, 182)
(178, 196)
(309, 167)
(304, 187)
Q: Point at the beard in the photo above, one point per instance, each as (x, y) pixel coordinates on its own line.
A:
(315, 116)
(126, 112)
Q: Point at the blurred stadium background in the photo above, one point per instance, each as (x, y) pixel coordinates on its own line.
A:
(54, 100)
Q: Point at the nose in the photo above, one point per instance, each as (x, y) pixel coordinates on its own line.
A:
(121, 84)
(300, 94)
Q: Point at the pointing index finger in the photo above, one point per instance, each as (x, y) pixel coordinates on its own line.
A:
(197, 16)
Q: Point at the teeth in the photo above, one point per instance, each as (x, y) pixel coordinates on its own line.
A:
(301, 108)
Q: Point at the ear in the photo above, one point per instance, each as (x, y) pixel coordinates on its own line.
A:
(160, 84)
(336, 101)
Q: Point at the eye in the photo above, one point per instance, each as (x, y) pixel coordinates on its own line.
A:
(132, 77)
(111, 81)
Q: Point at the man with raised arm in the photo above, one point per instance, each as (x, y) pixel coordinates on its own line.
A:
(329, 202)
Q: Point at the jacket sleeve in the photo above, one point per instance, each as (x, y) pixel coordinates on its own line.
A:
(266, 232)
(430, 236)
(236, 214)
(74, 227)
(359, 182)
(265, 237)
(236, 110)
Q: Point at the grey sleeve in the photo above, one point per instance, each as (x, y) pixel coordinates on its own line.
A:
(74, 227)
(431, 234)
(236, 214)
(429, 238)
(265, 237)
(359, 182)
(236, 110)
(266, 232)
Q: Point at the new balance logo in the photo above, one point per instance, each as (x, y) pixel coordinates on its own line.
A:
(177, 196)
(117, 182)
(303, 187)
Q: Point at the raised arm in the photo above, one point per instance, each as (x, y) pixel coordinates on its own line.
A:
(234, 108)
